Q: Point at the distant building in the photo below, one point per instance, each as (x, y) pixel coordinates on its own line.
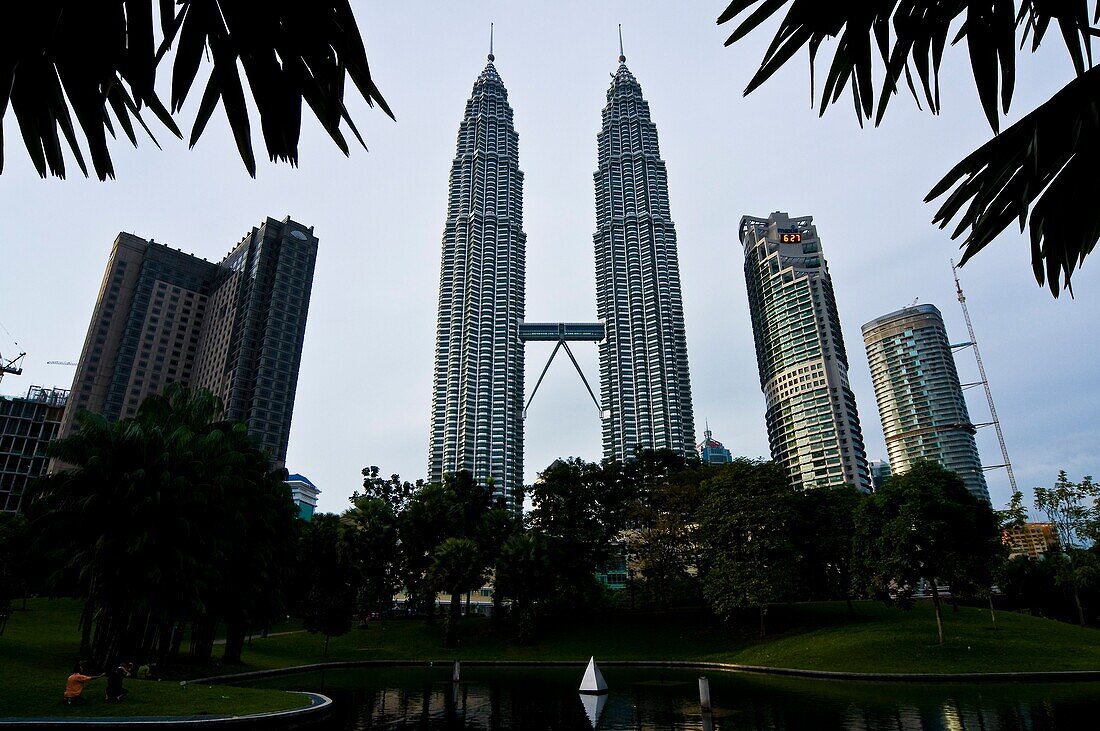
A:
(27, 426)
(920, 399)
(304, 494)
(711, 450)
(1031, 539)
(880, 470)
(813, 425)
(234, 328)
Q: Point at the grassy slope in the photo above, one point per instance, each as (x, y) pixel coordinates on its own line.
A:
(39, 646)
(810, 636)
(37, 652)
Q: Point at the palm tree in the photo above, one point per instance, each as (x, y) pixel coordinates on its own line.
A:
(1043, 165)
(92, 61)
(457, 567)
(164, 519)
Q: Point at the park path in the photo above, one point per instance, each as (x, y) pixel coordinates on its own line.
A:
(270, 634)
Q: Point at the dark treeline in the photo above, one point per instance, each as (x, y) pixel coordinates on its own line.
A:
(168, 525)
(172, 528)
(734, 538)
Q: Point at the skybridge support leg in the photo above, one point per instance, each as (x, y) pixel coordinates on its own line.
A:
(563, 344)
(539, 383)
(583, 379)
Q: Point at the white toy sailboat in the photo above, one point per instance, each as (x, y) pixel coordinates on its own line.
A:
(593, 682)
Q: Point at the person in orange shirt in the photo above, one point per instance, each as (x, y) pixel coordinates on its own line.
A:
(74, 685)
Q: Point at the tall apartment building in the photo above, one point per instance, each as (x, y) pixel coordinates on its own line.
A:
(645, 387)
(27, 426)
(920, 399)
(813, 424)
(234, 328)
(477, 401)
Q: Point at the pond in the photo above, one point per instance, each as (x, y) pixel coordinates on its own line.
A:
(643, 698)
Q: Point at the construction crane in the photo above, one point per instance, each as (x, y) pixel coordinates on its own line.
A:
(12, 367)
(61, 362)
(996, 423)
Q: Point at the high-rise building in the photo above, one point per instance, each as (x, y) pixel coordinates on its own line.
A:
(250, 347)
(477, 402)
(645, 388)
(920, 399)
(234, 328)
(711, 450)
(144, 331)
(813, 425)
(27, 426)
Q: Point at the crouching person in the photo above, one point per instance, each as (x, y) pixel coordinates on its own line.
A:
(74, 685)
(115, 692)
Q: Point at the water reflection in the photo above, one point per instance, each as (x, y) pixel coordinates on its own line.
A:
(528, 698)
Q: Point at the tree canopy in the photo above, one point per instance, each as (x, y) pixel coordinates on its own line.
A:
(166, 520)
(95, 60)
(1038, 172)
(924, 526)
(745, 523)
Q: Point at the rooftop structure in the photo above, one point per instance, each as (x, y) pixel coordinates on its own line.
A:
(304, 493)
(711, 450)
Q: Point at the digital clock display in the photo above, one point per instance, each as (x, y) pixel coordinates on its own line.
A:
(792, 238)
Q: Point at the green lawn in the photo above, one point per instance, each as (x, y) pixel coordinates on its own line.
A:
(37, 652)
(40, 644)
(822, 636)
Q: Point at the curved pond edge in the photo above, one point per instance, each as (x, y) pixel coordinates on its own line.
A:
(318, 708)
(1049, 676)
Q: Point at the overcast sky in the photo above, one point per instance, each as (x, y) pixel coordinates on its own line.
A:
(364, 388)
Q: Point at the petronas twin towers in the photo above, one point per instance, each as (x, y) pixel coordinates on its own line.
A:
(645, 390)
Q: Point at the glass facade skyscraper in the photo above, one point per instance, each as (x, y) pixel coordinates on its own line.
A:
(477, 403)
(813, 425)
(920, 399)
(645, 388)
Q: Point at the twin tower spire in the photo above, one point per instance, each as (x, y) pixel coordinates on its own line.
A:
(478, 389)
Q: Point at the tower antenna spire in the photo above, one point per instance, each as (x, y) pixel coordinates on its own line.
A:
(491, 56)
(622, 56)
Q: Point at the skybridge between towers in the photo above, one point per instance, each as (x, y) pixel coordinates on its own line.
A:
(562, 333)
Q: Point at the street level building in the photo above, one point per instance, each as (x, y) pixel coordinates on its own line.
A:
(920, 399)
(645, 388)
(477, 393)
(235, 328)
(813, 425)
(1031, 539)
(27, 426)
